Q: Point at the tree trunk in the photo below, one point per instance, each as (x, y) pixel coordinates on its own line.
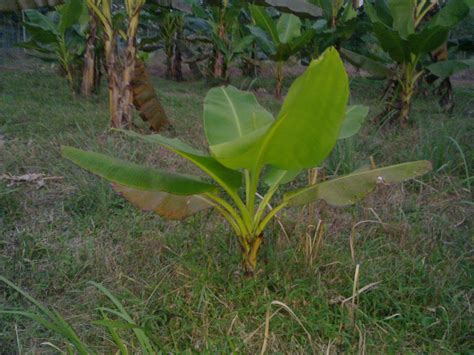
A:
(219, 71)
(249, 261)
(169, 62)
(279, 80)
(120, 74)
(89, 71)
(177, 63)
(113, 79)
(126, 97)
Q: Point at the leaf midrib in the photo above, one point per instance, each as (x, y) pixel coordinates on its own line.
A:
(287, 29)
(234, 111)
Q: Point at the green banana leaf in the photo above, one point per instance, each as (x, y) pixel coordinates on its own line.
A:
(288, 27)
(447, 68)
(137, 176)
(392, 43)
(71, 12)
(307, 127)
(402, 12)
(377, 68)
(233, 122)
(355, 116)
(265, 22)
(349, 189)
(224, 176)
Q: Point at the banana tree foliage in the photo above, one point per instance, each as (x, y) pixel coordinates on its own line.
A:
(338, 24)
(279, 39)
(59, 36)
(408, 33)
(219, 23)
(248, 145)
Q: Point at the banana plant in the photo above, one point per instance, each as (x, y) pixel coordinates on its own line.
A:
(339, 23)
(217, 22)
(248, 147)
(171, 28)
(233, 46)
(408, 34)
(279, 39)
(59, 36)
(120, 63)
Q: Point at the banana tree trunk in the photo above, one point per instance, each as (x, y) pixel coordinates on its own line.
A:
(279, 80)
(219, 71)
(408, 83)
(176, 65)
(126, 98)
(120, 73)
(89, 72)
(169, 61)
(113, 79)
(249, 256)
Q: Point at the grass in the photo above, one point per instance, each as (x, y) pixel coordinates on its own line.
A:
(180, 281)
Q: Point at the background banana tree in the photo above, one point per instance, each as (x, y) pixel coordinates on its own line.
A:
(91, 72)
(59, 36)
(407, 33)
(279, 39)
(340, 22)
(217, 23)
(232, 47)
(244, 142)
(120, 62)
(172, 26)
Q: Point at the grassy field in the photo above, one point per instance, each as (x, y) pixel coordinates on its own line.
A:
(181, 282)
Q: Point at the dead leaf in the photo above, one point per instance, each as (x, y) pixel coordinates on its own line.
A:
(36, 178)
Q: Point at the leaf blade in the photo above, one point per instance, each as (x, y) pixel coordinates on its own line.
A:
(136, 176)
(166, 205)
(288, 28)
(308, 126)
(348, 189)
(224, 176)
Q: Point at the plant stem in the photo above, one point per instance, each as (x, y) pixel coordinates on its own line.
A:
(279, 80)
(249, 262)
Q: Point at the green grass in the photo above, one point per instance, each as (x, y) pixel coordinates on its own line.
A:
(180, 280)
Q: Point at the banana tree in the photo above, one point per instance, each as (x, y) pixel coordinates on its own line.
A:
(217, 21)
(339, 23)
(171, 29)
(232, 47)
(91, 66)
(120, 63)
(407, 34)
(58, 36)
(248, 146)
(279, 39)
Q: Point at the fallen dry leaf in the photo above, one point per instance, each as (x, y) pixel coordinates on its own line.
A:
(38, 179)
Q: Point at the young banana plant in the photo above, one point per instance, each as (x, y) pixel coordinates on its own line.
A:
(408, 33)
(248, 146)
(58, 36)
(279, 39)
